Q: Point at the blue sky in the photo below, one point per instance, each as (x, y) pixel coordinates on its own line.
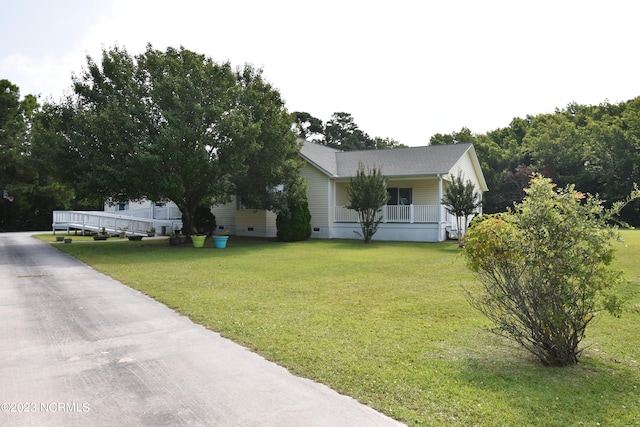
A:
(404, 69)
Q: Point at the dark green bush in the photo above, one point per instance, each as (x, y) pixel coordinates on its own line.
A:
(294, 225)
(204, 220)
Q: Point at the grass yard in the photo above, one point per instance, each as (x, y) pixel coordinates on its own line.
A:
(388, 324)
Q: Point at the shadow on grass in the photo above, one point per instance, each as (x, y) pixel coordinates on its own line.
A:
(593, 392)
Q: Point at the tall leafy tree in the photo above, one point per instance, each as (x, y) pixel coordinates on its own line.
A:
(271, 162)
(32, 194)
(172, 125)
(549, 134)
(342, 132)
(367, 193)
(308, 126)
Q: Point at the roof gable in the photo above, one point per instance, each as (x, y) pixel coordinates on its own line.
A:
(321, 156)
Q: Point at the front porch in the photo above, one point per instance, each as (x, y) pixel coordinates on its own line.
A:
(418, 223)
(402, 214)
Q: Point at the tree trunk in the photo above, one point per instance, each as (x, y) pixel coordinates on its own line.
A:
(188, 215)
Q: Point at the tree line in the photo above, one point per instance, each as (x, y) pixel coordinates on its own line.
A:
(594, 147)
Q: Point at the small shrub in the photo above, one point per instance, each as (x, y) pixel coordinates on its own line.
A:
(544, 269)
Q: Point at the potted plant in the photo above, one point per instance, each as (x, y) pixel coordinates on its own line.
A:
(220, 239)
(123, 231)
(197, 239)
(102, 235)
(175, 238)
(151, 232)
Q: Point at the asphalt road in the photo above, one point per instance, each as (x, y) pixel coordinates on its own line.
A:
(79, 348)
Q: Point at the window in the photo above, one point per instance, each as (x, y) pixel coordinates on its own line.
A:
(400, 196)
(398, 204)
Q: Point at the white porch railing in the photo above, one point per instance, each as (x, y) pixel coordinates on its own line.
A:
(397, 213)
(342, 214)
(153, 212)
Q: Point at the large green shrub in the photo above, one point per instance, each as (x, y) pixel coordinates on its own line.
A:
(204, 220)
(294, 223)
(544, 269)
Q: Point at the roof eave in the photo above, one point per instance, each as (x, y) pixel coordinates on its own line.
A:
(399, 177)
(317, 166)
(478, 168)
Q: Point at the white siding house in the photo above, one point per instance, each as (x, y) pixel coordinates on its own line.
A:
(416, 180)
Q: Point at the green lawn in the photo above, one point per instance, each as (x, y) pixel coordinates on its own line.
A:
(388, 324)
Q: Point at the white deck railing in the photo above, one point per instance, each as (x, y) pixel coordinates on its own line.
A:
(398, 213)
(153, 212)
(112, 222)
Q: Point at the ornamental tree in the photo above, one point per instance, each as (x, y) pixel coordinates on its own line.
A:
(544, 269)
(367, 193)
(461, 200)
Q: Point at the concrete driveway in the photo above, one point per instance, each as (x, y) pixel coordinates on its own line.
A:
(79, 348)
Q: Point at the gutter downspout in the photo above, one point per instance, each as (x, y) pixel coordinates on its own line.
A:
(440, 231)
(331, 207)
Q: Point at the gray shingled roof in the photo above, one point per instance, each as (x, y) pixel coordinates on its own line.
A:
(429, 160)
(321, 156)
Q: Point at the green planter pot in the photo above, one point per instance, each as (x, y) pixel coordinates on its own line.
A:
(220, 241)
(198, 241)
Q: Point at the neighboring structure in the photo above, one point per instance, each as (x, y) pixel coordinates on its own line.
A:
(131, 218)
(417, 177)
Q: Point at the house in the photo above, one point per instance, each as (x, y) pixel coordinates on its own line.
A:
(417, 178)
